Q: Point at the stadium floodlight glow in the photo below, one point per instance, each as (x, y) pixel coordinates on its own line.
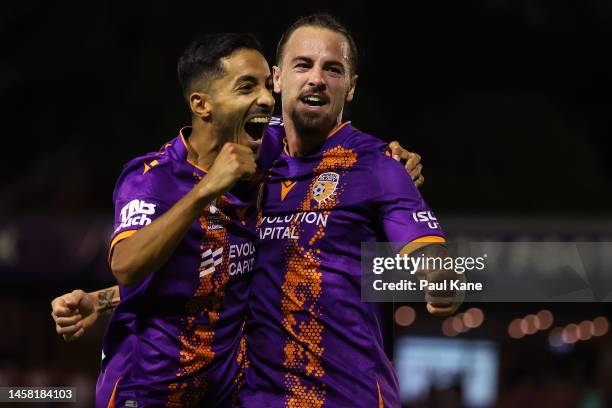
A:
(457, 323)
(601, 326)
(570, 334)
(514, 329)
(546, 319)
(447, 327)
(530, 324)
(585, 330)
(463, 322)
(473, 318)
(404, 316)
(460, 326)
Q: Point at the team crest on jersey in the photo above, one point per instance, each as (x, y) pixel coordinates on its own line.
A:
(325, 186)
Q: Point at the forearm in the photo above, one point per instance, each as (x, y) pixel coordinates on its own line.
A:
(439, 302)
(134, 258)
(106, 300)
(427, 250)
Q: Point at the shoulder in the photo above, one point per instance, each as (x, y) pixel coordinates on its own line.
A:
(372, 152)
(144, 173)
(365, 143)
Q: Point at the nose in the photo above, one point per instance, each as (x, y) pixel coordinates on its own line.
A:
(315, 79)
(265, 100)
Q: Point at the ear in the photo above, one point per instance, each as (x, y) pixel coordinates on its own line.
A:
(351, 92)
(200, 104)
(276, 74)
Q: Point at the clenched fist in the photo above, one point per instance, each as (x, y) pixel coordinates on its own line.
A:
(73, 313)
(233, 163)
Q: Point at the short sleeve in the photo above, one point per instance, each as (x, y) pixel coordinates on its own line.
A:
(404, 215)
(137, 200)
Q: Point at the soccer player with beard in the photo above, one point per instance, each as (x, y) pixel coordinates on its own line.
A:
(183, 243)
(204, 314)
(311, 341)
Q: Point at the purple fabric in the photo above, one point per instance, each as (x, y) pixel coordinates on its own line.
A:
(311, 340)
(175, 339)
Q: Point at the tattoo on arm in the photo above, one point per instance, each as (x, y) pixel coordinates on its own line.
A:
(108, 300)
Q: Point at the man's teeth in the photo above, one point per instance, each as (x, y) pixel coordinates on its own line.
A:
(314, 99)
(260, 119)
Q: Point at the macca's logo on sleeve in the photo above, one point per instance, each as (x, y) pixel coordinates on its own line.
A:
(325, 186)
(136, 213)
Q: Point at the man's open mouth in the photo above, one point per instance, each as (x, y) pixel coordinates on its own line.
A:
(314, 100)
(256, 126)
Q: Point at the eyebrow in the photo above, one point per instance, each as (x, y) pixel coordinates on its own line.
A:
(327, 63)
(301, 58)
(251, 78)
(246, 78)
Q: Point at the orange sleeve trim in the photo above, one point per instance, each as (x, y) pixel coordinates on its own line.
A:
(421, 242)
(111, 401)
(430, 239)
(381, 403)
(120, 237)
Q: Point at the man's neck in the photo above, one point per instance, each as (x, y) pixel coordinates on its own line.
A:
(301, 142)
(203, 144)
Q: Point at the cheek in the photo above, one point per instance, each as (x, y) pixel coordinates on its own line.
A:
(227, 112)
(288, 87)
(234, 104)
(339, 93)
(294, 83)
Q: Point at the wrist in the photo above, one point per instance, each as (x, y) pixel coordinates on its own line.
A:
(205, 193)
(105, 300)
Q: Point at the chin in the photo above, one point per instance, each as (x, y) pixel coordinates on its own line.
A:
(311, 122)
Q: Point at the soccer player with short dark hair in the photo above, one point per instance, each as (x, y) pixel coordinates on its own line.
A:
(183, 243)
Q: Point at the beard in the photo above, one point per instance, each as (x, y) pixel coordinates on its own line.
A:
(310, 123)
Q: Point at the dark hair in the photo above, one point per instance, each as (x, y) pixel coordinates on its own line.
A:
(322, 20)
(202, 58)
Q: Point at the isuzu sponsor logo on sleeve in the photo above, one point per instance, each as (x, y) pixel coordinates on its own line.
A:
(426, 216)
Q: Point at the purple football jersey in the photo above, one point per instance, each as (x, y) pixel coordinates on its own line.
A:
(176, 338)
(311, 341)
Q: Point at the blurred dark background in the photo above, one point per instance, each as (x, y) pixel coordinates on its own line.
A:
(507, 101)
